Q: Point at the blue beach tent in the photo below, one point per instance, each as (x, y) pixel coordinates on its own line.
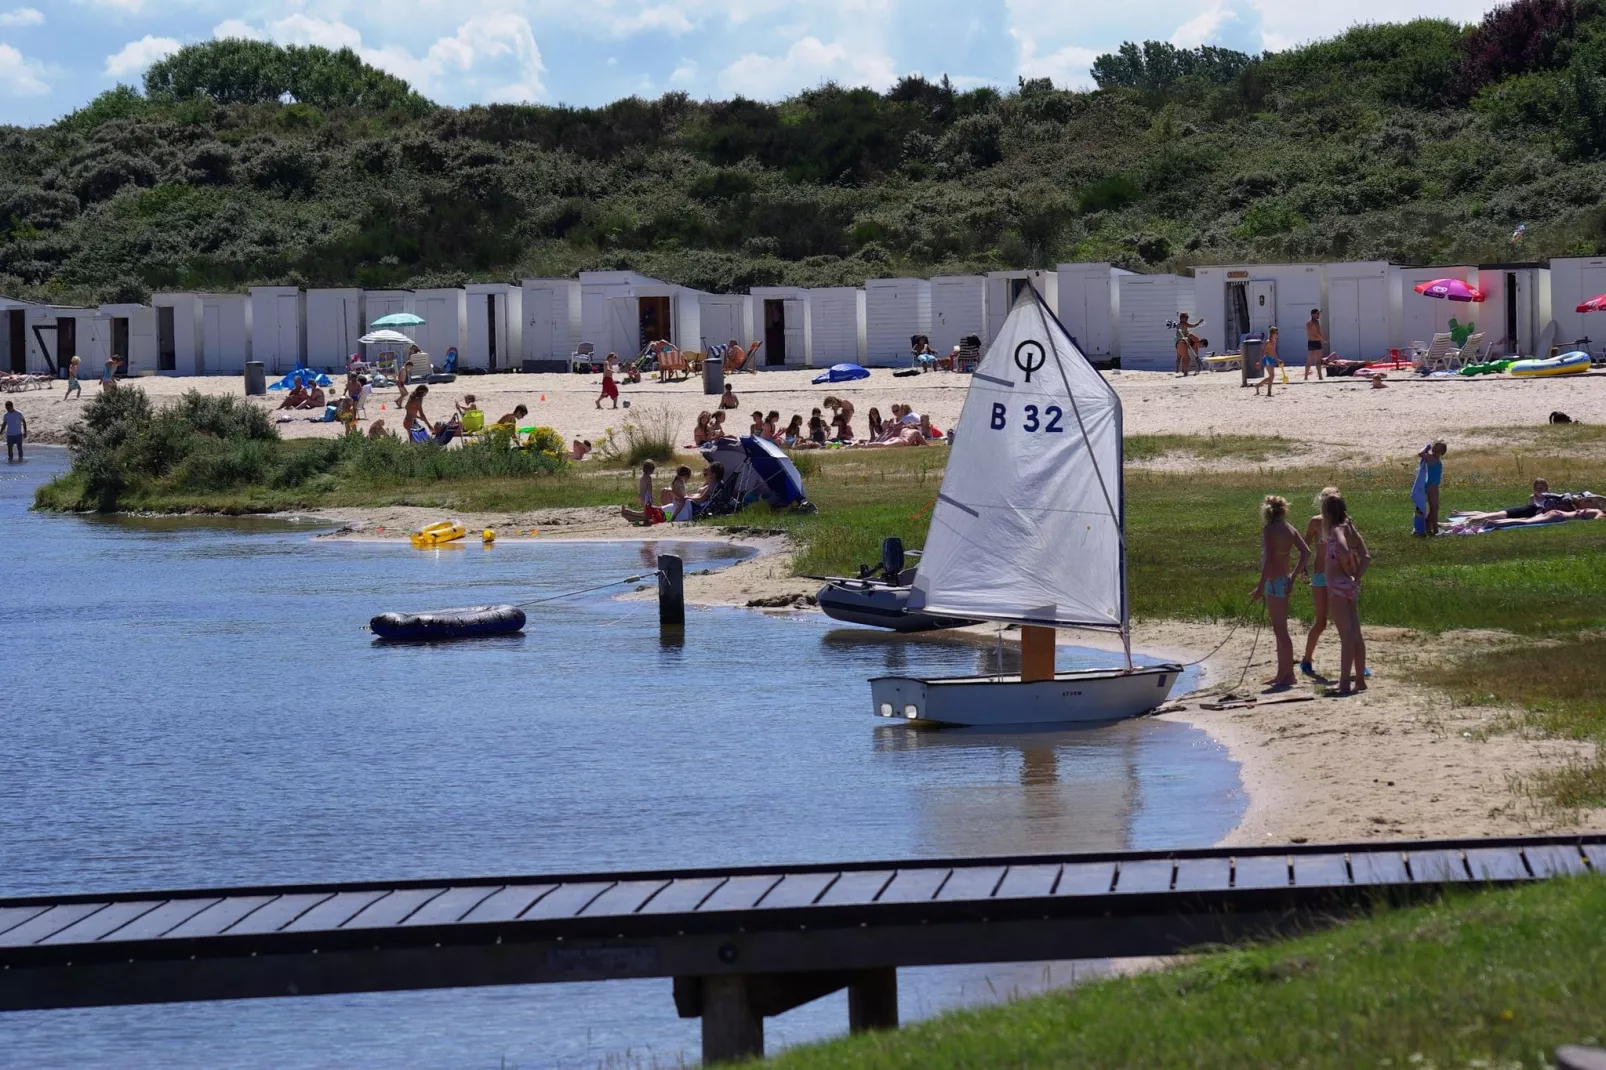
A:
(842, 373)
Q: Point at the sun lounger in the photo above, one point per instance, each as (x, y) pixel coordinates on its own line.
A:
(672, 366)
(1224, 362)
(1437, 356)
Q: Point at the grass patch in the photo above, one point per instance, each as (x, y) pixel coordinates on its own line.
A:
(647, 434)
(1256, 448)
(1494, 979)
(1556, 690)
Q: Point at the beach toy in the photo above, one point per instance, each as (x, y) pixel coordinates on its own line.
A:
(487, 536)
(467, 622)
(1566, 364)
(431, 535)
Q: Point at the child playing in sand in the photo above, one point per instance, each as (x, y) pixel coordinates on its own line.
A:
(1277, 539)
(649, 513)
(610, 389)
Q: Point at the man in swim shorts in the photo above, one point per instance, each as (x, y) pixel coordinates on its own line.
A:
(1315, 343)
(16, 430)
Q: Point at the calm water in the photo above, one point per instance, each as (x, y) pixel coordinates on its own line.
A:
(199, 704)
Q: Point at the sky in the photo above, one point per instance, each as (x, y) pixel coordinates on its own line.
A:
(55, 55)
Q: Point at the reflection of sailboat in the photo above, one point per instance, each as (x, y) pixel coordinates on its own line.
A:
(1066, 789)
(1030, 528)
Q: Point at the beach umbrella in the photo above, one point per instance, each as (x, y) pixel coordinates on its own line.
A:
(1594, 304)
(379, 337)
(1450, 290)
(398, 319)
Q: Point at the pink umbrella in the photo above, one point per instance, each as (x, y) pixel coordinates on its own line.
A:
(1450, 289)
(1594, 304)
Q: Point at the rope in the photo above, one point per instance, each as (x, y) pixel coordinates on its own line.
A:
(587, 590)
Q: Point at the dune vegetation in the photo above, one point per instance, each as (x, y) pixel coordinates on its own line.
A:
(241, 162)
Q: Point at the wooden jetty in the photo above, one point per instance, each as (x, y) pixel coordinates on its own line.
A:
(740, 944)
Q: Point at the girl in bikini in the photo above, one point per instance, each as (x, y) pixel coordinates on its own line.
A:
(1318, 581)
(1277, 540)
(1347, 560)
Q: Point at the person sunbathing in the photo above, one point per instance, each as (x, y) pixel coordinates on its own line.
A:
(294, 399)
(315, 399)
(578, 449)
(1550, 516)
(902, 435)
(377, 430)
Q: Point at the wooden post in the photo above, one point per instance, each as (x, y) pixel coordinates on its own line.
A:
(671, 595)
(1036, 653)
(732, 1027)
(873, 1001)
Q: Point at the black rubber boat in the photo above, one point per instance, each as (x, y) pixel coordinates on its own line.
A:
(465, 622)
(879, 597)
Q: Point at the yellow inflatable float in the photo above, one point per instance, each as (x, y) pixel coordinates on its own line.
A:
(431, 535)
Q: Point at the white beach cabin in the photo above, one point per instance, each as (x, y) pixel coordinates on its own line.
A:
(1422, 317)
(225, 333)
(726, 316)
(493, 327)
(1235, 299)
(335, 320)
(130, 332)
(179, 347)
(1359, 315)
(780, 321)
(1516, 307)
(1089, 306)
(445, 313)
(14, 335)
(1147, 303)
(958, 309)
(551, 318)
(378, 304)
(1574, 280)
(68, 331)
(1004, 286)
(835, 331)
(895, 310)
(278, 327)
(621, 311)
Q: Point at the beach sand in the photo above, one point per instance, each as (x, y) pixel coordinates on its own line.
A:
(1331, 421)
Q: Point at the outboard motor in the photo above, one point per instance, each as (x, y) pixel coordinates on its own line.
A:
(892, 558)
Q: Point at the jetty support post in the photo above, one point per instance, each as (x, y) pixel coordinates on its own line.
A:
(671, 595)
(733, 1006)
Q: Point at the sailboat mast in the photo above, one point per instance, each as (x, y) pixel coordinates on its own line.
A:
(1120, 524)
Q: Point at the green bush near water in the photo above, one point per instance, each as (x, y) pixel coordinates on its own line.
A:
(124, 452)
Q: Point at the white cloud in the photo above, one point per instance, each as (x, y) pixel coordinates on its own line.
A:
(685, 73)
(135, 56)
(129, 6)
(1203, 28)
(1067, 67)
(237, 28)
(19, 75)
(808, 62)
(22, 16)
(299, 29)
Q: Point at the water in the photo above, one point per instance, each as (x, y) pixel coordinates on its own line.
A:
(186, 704)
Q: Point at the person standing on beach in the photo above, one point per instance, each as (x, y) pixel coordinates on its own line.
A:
(1185, 342)
(1268, 362)
(610, 388)
(1277, 541)
(1433, 455)
(16, 426)
(1346, 562)
(108, 382)
(73, 385)
(1315, 344)
(1318, 580)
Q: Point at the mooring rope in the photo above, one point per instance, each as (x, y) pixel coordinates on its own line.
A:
(588, 590)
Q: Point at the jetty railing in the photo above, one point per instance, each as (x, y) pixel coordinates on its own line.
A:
(741, 943)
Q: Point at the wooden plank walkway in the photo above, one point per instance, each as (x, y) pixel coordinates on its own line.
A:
(740, 943)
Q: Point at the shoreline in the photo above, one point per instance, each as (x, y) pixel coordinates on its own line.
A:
(1400, 760)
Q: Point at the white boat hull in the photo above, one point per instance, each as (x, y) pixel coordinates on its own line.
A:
(1090, 695)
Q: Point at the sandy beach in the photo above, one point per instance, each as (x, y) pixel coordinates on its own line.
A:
(1331, 420)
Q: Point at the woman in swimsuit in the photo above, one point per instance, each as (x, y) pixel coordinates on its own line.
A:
(1318, 580)
(1346, 562)
(1185, 342)
(414, 416)
(876, 426)
(1277, 540)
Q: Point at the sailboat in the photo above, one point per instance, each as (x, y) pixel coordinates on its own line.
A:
(1030, 529)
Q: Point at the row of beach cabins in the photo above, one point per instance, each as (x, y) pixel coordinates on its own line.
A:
(1114, 314)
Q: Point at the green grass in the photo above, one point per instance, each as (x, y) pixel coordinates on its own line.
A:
(1553, 690)
(1497, 979)
(1212, 447)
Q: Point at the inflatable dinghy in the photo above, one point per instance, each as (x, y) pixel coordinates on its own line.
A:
(466, 622)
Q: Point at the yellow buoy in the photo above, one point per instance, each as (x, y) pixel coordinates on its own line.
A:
(487, 536)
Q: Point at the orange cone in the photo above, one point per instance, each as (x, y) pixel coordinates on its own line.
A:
(543, 397)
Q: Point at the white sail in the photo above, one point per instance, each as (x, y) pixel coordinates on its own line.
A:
(1028, 524)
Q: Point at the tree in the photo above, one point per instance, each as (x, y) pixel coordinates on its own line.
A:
(236, 71)
(1159, 65)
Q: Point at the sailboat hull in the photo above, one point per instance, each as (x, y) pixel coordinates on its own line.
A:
(1002, 701)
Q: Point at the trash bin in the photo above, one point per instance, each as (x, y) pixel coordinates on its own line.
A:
(256, 379)
(1254, 346)
(714, 375)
